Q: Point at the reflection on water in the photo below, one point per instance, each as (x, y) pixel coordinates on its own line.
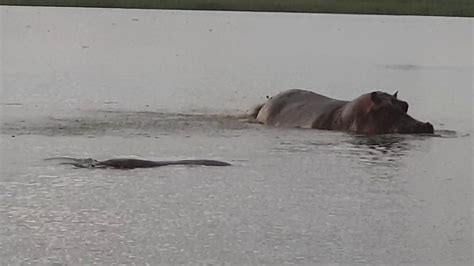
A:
(385, 144)
(380, 156)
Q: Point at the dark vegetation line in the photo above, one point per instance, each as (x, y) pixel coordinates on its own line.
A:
(463, 8)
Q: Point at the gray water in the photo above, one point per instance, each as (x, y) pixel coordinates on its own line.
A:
(162, 85)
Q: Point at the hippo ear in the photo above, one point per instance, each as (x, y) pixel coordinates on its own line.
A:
(375, 98)
(395, 94)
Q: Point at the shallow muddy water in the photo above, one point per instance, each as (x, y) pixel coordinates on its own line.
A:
(164, 85)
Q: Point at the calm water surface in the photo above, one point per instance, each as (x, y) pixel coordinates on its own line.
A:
(165, 85)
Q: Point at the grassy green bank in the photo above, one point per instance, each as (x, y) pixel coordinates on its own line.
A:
(390, 7)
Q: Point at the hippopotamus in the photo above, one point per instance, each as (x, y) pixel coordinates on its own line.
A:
(127, 163)
(371, 113)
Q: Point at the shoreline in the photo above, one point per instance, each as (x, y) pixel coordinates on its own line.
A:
(456, 8)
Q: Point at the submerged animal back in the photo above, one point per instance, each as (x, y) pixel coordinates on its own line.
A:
(297, 108)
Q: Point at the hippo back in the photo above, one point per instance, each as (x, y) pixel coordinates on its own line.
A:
(298, 108)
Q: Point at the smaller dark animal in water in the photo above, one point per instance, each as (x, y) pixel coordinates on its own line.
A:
(372, 113)
(125, 163)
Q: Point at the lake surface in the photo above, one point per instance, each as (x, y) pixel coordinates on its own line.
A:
(161, 85)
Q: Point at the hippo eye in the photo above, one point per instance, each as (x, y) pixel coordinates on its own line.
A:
(400, 104)
(389, 110)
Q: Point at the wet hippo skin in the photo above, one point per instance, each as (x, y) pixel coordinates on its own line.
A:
(371, 113)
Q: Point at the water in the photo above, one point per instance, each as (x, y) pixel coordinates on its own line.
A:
(166, 85)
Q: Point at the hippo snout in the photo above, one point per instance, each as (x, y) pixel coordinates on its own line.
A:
(424, 128)
(415, 127)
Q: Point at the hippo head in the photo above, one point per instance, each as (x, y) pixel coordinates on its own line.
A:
(388, 114)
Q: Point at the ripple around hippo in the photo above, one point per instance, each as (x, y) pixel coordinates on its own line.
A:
(127, 163)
